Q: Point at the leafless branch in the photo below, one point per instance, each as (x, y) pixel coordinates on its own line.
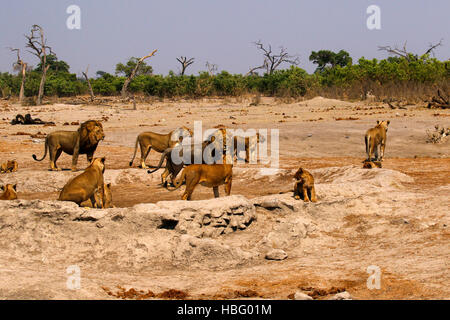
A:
(273, 60)
(212, 68)
(185, 62)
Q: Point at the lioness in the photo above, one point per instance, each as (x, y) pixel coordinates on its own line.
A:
(208, 175)
(85, 185)
(174, 166)
(9, 166)
(82, 141)
(304, 185)
(374, 138)
(9, 192)
(159, 142)
(249, 144)
(107, 203)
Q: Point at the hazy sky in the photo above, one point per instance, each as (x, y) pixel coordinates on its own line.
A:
(220, 32)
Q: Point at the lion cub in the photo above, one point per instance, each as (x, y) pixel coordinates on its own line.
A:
(107, 203)
(304, 185)
(208, 175)
(371, 164)
(375, 139)
(9, 192)
(85, 185)
(9, 166)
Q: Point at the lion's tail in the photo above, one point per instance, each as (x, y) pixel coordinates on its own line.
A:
(45, 151)
(135, 150)
(367, 141)
(179, 181)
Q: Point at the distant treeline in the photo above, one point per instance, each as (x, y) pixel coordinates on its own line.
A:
(394, 77)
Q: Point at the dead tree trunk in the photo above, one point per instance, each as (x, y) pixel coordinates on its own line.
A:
(133, 73)
(39, 49)
(439, 101)
(185, 62)
(91, 92)
(23, 70)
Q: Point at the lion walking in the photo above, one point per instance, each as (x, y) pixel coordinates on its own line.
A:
(375, 139)
(208, 175)
(82, 141)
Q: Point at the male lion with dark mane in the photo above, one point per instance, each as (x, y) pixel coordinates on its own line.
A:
(82, 141)
(85, 185)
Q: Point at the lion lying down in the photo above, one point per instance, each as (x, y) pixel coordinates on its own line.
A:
(9, 192)
(371, 164)
(9, 166)
(85, 185)
(208, 175)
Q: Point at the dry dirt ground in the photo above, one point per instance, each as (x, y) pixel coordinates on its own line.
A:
(396, 218)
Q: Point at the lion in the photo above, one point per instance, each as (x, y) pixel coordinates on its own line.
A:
(159, 142)
(85, 185)
(371, 164)
(82, 141)
(9, 192)
(9, 166)
(374, 138)
(107, 201)
(175, 165)
(249, 144)
(304, 185)
(208, 175)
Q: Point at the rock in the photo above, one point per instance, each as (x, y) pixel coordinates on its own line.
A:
(301, 296)
(341, 296)
(276, 254)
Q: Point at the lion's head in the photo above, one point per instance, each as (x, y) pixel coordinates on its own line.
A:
(91, 133)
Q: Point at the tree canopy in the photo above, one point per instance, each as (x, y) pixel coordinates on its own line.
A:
(329, 59)
(126, 69)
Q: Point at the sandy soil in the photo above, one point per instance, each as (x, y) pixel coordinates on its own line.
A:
(404, 231)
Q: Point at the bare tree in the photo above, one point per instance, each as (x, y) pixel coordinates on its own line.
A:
(273, 60)
(404, 53)
(185, 62)
(133, 73)
(91, 92)
(212, 68)
(38, 46)
(21, 66)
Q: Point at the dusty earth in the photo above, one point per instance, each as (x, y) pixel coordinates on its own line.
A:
(396, 218)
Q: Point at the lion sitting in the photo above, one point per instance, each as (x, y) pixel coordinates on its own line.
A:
(159, 142)
(376, 138)
(85, 185)
(208, 175)
(107, 203)
(9, 192)
(304, 185)
(9, 166)
(82, 141)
